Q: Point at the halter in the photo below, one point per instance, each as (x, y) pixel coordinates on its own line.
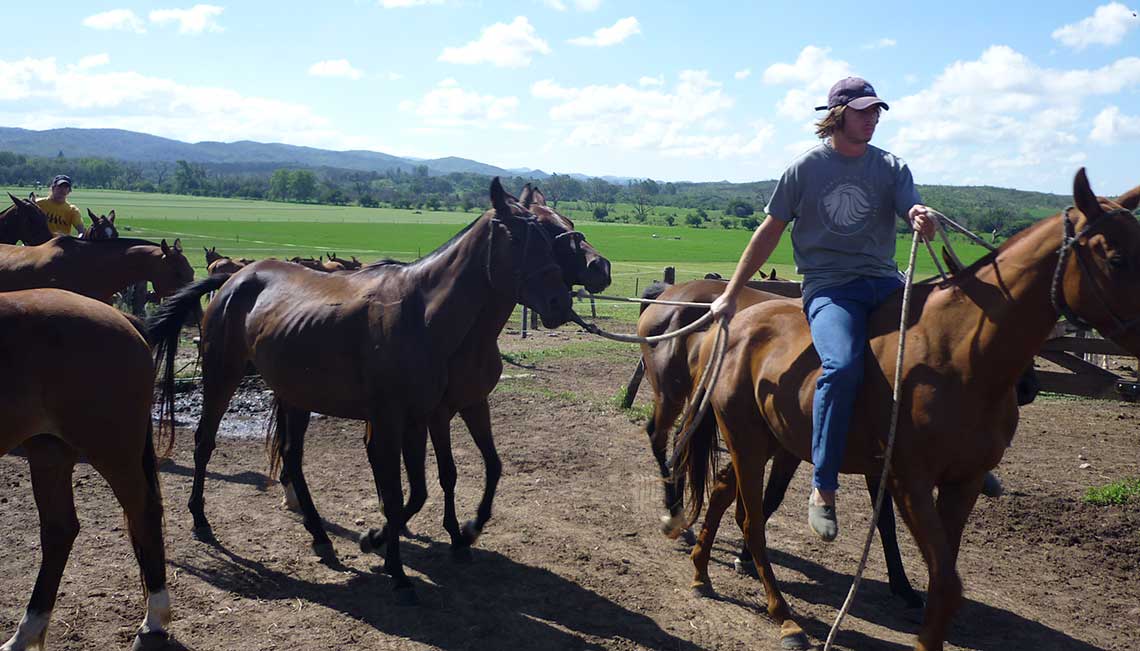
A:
(1070, 242)
(521, 279)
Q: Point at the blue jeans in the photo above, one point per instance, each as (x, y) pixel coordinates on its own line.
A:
(838, 320)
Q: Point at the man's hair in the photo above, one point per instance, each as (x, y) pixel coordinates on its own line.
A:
(831, 122)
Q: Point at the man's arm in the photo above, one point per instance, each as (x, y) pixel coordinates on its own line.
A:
(759, 248)
(77, 222)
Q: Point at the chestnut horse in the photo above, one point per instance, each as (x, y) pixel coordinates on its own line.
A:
(216, 263)
(349, 265)
(46, 337)
(387, 331)
(23, 221)
(968, 340)
(96, 269)
(667, 368)
(480, 365)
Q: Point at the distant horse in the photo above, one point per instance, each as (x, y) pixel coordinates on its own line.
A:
(102, 226)
(317, 264)
(474, 371)
(349, 265)
(23, 221)
(380, 337)
(216, 263)
(56, 345)
(968, 340)
(96, 269)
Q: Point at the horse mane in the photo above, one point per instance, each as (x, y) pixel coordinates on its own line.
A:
(971, 269)
(121, 242)
(388, 263)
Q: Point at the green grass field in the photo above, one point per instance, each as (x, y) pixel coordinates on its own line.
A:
(261, 229)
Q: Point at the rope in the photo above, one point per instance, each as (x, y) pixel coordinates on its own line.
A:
(637, 339)
(708, 381)
(890, 448)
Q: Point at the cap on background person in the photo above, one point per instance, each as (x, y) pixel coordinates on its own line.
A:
(854, 92)
(61, 179)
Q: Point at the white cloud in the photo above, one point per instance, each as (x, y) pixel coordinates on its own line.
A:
(659, 80)
(393, 76)
(1109, 126)
(116, 19)
(502, 45)
(556, 5)
(403, 4)
(72, 96)
(880, 44)
(742, 74)
(449, 105)
(580, 5)
(195, 20)
(612, 35)
(812, 74)
(93, 61)
(1107, 26)
(335, 68)
(683, 121)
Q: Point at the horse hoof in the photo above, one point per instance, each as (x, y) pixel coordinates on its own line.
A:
(688, 537)
(794, 642)
(461, 554)
(368, 546)
(745, 567)
(160, 641)
(325, 551)
(672, 526)
(406, 597)
(704, 590)
(204, 534)
(470, 532)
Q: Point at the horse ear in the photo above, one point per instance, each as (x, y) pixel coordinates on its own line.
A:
(1130, 200)
(1083, 197)
(94, 219)
(111, 216)
(178, 244)
(499, 196)
(14, 198)
(526, 196)
(538, 198)
(31, 195)
(164, 247)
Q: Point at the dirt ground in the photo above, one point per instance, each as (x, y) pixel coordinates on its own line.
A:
(572, 558)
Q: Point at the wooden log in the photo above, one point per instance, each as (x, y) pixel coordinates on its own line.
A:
(633, 384)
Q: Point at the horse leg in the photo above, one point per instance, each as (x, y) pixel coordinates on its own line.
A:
(415, 461)
(896, 573)
(440, 429)
(478, 420)
(665, 413)
(50, 461)
(944, 592)
(293, 423)
(384, 458)
(721, 497)
(136, 487)
(220, 380)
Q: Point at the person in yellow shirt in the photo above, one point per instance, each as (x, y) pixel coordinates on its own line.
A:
(62, 216)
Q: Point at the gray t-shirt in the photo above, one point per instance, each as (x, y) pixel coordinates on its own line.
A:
(844, 211)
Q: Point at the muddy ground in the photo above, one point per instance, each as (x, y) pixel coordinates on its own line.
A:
(572, 558)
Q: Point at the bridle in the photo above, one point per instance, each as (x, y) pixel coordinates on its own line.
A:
(1071, 242)
(521, 276)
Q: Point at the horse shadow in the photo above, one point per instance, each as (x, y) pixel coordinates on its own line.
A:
(258, 480)
(975, 626)
(491, 603)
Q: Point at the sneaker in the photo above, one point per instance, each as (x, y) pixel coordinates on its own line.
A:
(822, 520)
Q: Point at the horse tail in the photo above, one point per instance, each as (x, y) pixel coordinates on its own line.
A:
(153, 501)
(275, 436)
(162, 331)
(652, 292)
(694, 455)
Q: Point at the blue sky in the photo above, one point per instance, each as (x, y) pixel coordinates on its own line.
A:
(1016, 95)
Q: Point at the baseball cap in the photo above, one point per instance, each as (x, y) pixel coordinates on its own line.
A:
(60, 178)
(854, 92)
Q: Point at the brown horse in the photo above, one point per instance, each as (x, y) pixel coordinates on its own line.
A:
(968, 340)
(667, 368)
(45, 336)
(96, 269)
(387, 331)
(479, 364)
(102, 226)
(349, 265)
(23, 221)
(317, 264)
(216, 263)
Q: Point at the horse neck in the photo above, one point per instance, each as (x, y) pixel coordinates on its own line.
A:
(119, 265)
(8, 234)
(1010, 314)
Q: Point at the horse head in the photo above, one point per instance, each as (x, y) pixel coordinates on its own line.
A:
(580, 261)
(212, 255)
(102, 226)
(1098, 270)
(521, 262)
(175, 270)
(25, 222)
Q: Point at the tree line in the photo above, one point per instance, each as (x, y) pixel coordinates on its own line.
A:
(699, 205)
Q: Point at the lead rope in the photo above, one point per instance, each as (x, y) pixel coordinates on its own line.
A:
(890, 447)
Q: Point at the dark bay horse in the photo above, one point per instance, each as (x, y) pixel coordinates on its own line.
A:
(349, 265)
(387, 330)
(46, 340)
(96, 269)
(968, 340)
(667, 367)
(478, 362)
(102, 226)
(23, 221)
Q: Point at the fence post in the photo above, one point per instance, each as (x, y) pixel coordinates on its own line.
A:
(524, 322)
(670, 275)
(633, 384)
(533, 320)
(593, 308)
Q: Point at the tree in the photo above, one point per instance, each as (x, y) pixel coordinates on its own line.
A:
(727, 222)
(599, 194)
(303, 185)
(751, 223)
(368, 201)
(695, 220)
(670, 219)
(189, 178)
(279, 185)
(739, 208)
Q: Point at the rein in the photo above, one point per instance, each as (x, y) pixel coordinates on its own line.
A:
(521, 278)
(1070, 243)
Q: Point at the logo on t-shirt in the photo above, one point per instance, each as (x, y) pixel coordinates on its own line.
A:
(846, 207)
